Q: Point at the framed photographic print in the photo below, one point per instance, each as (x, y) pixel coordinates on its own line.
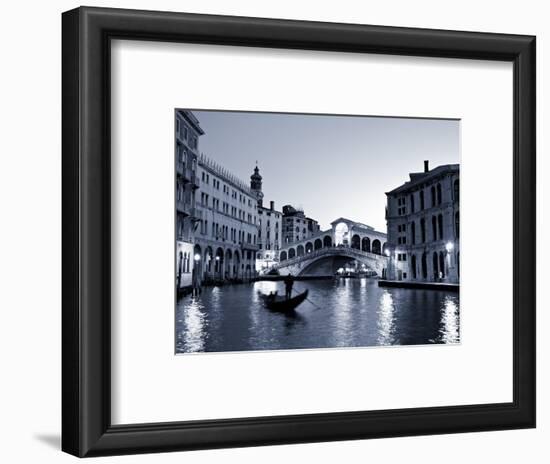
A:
(284, 231)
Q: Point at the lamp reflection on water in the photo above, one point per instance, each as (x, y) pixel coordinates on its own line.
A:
(450, 322)
(193, 338)
(386, 320)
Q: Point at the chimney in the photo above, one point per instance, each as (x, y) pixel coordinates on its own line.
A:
(426, 165)
(272, 205)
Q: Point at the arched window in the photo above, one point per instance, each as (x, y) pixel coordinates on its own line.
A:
(413, 232)
(413, 266)
(327, 241)
(282, 256)
(433, 196)
(442, 264)
(318, 244)
(180, 265)
(365, 244)
(435, 262)
(434, 228)
(421, 199)
(457, 224)
(438, 194)
(423, 230)
(356, 242)
(291, 253)
(309, 247)
(456, 190)
(411, 199)
(376, 246)
(300, 250)
(424, 266)
(440, 226)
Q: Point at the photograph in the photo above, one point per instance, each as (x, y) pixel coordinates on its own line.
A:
(313, 231)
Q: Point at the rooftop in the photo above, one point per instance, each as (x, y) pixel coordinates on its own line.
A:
(191, 119)
(419, 178)
(222, 172)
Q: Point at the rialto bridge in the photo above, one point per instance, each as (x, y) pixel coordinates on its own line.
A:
(328, 251)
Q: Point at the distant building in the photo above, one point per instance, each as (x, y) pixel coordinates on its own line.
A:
(296, 226)
(269, 227)
(187, 135)
(423, 219)
(227, 233)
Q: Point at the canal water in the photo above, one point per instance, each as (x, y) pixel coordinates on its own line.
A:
(338, 313)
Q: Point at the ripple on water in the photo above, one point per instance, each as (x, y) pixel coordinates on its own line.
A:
(337, 313)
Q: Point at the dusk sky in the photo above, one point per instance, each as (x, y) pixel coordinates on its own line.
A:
(331, 166)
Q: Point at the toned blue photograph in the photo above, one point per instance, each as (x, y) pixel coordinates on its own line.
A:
(313, 231)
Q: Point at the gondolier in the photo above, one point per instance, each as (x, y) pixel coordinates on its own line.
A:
(289, 283)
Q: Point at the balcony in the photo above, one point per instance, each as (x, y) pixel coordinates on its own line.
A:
(196, 214)
(184, 207)
(195, 181)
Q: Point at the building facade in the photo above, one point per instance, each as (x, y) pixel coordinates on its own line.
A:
(226, 235)
(296, 226)
(187, 132)
(269, 227)
(423, 220)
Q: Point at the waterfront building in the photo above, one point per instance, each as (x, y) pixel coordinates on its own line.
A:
(296, 226)
(269, 227)
(423, 220)
(227, 233)
(187, 133)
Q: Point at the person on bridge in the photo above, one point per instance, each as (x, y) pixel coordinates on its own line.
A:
(289, 283)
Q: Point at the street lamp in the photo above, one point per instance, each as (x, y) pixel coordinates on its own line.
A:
(387, 252)
(197, 257)
(449, 247)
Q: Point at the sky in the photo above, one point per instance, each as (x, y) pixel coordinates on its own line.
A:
(331, 166)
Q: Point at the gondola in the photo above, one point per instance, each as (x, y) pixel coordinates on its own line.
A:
(281, 304)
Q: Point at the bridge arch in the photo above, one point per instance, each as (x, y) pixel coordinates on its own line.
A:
(291, 253)
(283, 256)
(326, 262)
(356, 242)
(376, 247)
(318, 244)
(300, 250)
(365, 244)
(309, 247)
(327, 241)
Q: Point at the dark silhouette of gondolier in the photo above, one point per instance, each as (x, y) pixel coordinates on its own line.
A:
(289, 282)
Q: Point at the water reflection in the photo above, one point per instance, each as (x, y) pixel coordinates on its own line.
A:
(337, 313)
(194, 319)
(386, 324)
(450, 322)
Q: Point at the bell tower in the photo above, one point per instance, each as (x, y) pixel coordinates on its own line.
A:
(256, 185)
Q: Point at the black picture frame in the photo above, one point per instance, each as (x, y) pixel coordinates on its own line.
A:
(86, 400)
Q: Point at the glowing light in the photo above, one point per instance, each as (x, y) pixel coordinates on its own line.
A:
(387, 252)
(449, 246)
(197, 257)
(217, 258)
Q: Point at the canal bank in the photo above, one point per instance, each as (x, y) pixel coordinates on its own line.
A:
(420, 285)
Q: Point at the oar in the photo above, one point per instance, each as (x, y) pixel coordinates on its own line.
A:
(318, 307)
